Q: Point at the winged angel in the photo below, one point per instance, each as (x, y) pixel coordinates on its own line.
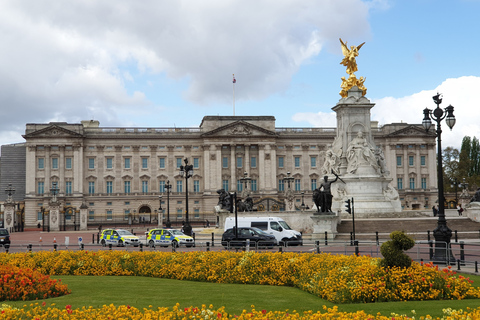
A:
(350, 54)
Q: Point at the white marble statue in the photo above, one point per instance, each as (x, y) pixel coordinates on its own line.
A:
(360, 152)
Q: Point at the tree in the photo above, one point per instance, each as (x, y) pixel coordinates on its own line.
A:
(469, 162)
(450, 160)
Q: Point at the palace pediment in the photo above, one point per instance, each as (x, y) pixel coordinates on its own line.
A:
(411, 131)
(53, 131)
(239, 129)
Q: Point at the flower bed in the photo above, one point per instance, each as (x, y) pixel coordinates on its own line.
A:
(337, 278)
(36, 311)
(26, 284)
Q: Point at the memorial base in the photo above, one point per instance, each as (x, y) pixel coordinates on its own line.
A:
(325, 223)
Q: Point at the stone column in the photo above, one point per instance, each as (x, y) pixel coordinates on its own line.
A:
(9, 215)
(54, 216)
(160, 218)
(83, 217)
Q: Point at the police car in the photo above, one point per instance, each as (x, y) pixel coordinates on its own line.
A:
(118, 237)
(166, 237)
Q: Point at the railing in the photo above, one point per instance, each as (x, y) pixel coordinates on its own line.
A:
(464, 256)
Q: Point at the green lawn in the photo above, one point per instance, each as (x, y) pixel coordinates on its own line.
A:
(142, 292)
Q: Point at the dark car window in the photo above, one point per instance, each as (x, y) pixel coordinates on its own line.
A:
(263, 225)
(4, 232)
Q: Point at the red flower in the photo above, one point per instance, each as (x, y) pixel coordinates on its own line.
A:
(264, 311)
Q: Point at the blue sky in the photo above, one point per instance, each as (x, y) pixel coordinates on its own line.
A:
(169, 63)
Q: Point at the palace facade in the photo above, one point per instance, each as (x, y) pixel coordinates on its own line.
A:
(119, 173)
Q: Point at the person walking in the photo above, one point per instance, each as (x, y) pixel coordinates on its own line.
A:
(435, 211)
(460, 210)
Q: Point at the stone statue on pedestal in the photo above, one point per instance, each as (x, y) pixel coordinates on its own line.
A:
(360, 152)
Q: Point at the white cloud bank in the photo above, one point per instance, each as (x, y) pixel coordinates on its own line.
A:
(73, 60)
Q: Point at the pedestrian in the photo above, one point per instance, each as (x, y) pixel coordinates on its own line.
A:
(460, 210)
(435, 211)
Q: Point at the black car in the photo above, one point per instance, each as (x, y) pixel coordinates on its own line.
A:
(256, 236)
(4, 237)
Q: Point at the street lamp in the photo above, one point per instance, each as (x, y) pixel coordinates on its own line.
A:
(245, 180)
(288, 179)
(442, 233)
(303, 203)
(10, 191)
(187, 172)
(54, 191)
(168, 186)
(455, 184)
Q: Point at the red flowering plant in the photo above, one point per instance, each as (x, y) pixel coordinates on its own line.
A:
(27, 284)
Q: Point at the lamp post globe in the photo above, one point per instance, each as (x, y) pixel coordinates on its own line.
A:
(442, 233)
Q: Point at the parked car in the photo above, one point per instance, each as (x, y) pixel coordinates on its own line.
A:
(256, 236)
(118, 237)
(4, 237)
(167, 237)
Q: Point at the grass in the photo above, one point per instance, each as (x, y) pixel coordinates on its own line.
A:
(142, 292)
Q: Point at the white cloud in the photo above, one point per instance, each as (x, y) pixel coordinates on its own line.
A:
(71, 60)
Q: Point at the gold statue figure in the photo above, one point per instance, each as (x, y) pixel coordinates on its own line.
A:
(350, 62)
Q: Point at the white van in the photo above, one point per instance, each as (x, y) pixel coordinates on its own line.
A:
(272, 225)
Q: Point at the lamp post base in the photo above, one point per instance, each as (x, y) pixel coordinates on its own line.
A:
(443, 249)
(187, 229)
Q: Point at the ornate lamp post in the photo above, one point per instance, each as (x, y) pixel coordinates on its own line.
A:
(464, 196)
(455, 184)
(288, 179)
(303, 203)
(10, 191)
(168, 187)
(442, 233)
(245, 180)
(187, 172)
(54, 191)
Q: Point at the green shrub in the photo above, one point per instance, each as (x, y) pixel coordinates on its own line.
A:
(392, 250)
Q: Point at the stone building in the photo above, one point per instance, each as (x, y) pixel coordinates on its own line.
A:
(118, 174)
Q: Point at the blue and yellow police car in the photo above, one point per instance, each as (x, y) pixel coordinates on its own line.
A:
(167, 237)
(118, 237)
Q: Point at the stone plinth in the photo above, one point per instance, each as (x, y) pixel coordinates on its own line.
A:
(325, 223)
(83, 219)
(473, 211)
(373, 195)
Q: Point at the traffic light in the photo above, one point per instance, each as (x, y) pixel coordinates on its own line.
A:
(348, 206)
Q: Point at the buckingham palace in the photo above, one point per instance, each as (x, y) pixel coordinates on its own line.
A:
(120, 174)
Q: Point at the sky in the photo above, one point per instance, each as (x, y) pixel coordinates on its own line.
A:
(159, 63)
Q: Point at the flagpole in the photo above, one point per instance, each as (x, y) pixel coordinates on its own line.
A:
(234, 81)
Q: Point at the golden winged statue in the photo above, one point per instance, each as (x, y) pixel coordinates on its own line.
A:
(350, 62)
